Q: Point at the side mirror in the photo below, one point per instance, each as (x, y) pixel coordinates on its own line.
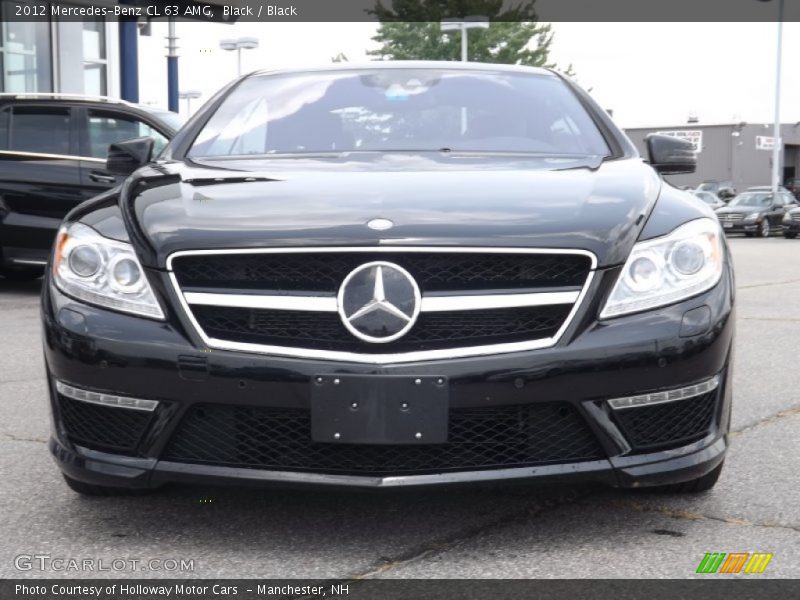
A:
(125, 157)
(669, 155)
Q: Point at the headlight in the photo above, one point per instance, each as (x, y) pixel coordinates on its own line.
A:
(752, 216)
(669, 269)
(787, 217)
(100, 271)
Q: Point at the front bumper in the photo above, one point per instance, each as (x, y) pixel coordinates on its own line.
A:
(683, 464)
(740, 226)
(95, 349)
(791, 226)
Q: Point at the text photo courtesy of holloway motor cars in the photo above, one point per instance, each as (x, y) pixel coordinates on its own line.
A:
(399, 299)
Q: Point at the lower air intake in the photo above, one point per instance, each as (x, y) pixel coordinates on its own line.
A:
(668, 425)
(480, 438)
(103, 427)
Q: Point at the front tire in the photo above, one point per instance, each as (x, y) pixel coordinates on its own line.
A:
(693, 486)
(764, 230)
(789, 236)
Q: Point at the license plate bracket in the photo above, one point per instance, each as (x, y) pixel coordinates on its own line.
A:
(379, 409)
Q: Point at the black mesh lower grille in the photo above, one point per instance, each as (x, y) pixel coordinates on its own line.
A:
(103, 427)
(325, 331)
(671, 424)
(433, 271)
(480, 438)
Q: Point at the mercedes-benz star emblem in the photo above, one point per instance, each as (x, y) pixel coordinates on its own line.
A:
(379, 302)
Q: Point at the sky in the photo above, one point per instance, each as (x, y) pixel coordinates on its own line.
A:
(649, 74)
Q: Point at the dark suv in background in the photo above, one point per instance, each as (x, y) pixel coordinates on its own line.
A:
(53, 157)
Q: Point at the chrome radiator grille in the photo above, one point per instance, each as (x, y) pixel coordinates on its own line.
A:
(472, 301)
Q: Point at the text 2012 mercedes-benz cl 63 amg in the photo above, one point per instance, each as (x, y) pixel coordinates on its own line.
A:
(392, 275)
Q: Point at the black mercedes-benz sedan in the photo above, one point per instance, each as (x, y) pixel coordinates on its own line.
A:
(392, 275)
(756, 213)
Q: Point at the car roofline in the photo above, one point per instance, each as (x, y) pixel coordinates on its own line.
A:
(74, 97)
(405, 64)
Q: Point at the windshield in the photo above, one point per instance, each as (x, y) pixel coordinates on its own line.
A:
(386, 110)
(706, 197)
(752, 199)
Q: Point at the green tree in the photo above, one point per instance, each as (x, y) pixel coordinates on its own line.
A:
(410, 30)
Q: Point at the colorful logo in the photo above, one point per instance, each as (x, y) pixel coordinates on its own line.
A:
(735, 562)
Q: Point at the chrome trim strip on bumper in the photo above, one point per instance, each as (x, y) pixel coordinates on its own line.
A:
(429, 304)
(104, 399)
(29, 261)
(435, 301)
(393, 481)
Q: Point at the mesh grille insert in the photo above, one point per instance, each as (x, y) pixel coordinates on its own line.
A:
(671, 424)
(103, 427)
(434, 271)
(479, 438)
(325, 331)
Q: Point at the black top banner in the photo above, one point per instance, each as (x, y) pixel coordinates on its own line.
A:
(406, 10)
(400, 589)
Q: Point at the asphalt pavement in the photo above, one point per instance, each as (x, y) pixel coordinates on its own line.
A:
(496, 532)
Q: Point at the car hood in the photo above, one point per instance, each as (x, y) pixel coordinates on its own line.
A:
(439, 200)
(741, 210)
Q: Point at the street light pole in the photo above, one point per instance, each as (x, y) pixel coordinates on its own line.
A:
(239, 44)
(777, 149)
(172, 67)
(463, 25)
(190, 95)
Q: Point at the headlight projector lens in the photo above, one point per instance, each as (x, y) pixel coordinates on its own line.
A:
(644, 274)
(85, 260)
(688, 258)
(125, 274)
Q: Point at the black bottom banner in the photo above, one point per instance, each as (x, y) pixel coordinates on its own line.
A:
(405, 589)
